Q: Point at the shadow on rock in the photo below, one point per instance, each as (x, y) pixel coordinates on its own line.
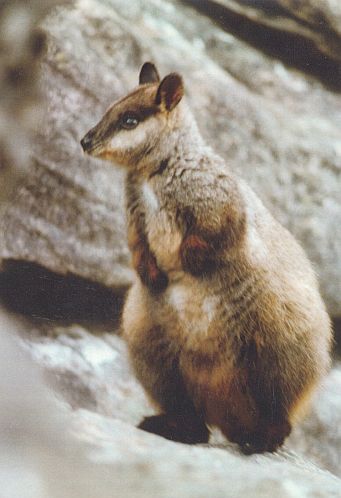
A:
(291, 47)
(31, 290)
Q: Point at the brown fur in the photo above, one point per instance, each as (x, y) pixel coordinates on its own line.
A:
(224, 325)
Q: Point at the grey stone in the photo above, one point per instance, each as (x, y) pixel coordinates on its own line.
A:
(21, 46)
(319, 435)
(83, 443)
(92, 372)
(316, 21)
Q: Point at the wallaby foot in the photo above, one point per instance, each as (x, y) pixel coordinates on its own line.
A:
(267, 439)
(176, 428)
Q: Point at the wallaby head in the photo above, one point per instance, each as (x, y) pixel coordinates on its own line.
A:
(136, 124)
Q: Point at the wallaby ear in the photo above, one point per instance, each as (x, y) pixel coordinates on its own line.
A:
(170, 91)
(148, 74)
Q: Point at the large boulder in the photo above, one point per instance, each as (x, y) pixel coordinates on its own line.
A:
(275, 126)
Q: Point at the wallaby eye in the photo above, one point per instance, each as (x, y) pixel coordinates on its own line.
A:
(129, 121)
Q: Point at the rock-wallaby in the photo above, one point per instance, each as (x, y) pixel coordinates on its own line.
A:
(224, 323)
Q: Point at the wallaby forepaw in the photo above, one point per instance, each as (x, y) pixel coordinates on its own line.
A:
(152, 277)
(196, 256)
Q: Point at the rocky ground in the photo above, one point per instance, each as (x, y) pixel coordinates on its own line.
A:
(263, 79)
(77, 437)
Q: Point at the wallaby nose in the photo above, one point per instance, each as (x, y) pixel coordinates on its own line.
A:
(86, 143)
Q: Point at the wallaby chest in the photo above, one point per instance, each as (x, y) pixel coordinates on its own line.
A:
(157, 221)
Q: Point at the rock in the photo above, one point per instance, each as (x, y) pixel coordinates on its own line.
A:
(278, 128)
(84, 433)
(39, 456)
(90, 371)
(319, 436)
(314, 25)
(162, 469)
(21, 47)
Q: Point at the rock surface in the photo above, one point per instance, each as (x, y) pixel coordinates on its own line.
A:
(21, 47)
(78, 440)
(317, 22)
(278, 128)
(91, 372)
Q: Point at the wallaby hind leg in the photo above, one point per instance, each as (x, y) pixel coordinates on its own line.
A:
(279, 378)
(256, 422)
(259, 399)
(155, 362)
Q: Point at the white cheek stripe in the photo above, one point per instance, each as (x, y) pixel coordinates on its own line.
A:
(129, 139)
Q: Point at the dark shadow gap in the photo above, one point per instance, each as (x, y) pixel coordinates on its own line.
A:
(44, 296)
(292, 49)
